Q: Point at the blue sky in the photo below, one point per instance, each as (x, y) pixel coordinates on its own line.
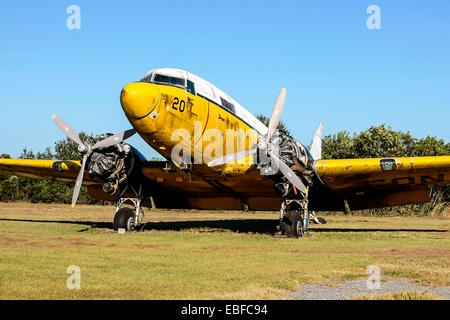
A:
(335, 69)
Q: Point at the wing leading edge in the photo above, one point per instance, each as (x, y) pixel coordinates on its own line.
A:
(54, 170)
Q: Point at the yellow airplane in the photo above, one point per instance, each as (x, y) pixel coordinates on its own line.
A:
(219, 156)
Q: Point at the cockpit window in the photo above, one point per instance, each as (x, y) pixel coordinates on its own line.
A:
(169, 80)
(227, 105)
(147, 78)
(190, 87)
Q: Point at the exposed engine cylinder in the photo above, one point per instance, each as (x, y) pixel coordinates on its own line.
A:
(113, 165)
(294, 155)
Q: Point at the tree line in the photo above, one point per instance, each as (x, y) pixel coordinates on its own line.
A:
(380, 142)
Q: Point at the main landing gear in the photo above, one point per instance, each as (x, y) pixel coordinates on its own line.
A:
(294, 222)
(128, 218)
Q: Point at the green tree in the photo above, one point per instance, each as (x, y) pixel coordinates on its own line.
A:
(382, 141)
(377, 142)
(338, 146)
(3, 177)
(27, 154)
(431, 146)
(46, 155)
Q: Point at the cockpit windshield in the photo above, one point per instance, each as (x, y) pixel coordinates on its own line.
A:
(159, 78)
(173, 81)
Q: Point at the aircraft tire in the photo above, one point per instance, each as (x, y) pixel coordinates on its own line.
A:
(124, 219)
(291, 225)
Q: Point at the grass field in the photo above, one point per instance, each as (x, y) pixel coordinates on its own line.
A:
(206, 255)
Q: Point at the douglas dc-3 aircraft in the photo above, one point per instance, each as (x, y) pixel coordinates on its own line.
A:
(174, 110)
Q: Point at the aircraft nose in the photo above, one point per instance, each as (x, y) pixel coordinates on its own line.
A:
(138, 99)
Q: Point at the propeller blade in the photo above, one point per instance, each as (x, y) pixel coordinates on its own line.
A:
(316, 145)
(113, 140)
(276, 114)
(76, 190)
(232, 157)
(288, 173)
(67, 130)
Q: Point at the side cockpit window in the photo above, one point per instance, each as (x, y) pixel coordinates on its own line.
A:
(147, 78)
(190, 87)
(159, 78)
(227, 105)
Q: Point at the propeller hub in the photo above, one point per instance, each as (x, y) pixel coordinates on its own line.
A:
(82, 148)
(262, 145)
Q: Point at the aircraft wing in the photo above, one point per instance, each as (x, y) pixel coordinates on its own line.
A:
(168, 185)
(54, 170)
(378, 182)
(361, 183)
(204, 188)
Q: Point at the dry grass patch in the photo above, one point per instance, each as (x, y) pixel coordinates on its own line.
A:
(201, 255)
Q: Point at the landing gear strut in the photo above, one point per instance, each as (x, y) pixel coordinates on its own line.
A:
(295, 222)
(128, 218)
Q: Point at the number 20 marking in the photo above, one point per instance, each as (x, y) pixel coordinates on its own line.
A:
(181, 105)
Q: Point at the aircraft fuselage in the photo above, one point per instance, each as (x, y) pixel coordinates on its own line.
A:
(171, 107)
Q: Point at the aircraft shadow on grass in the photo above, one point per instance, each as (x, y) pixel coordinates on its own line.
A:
(261, 226)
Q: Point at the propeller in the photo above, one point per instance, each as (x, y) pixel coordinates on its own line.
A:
(86, 150)
(276, 114)
(266, 147)
(232, 157)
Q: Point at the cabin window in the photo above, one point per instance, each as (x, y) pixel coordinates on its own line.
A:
(227, 105)
(169, 80)
(190, 87)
